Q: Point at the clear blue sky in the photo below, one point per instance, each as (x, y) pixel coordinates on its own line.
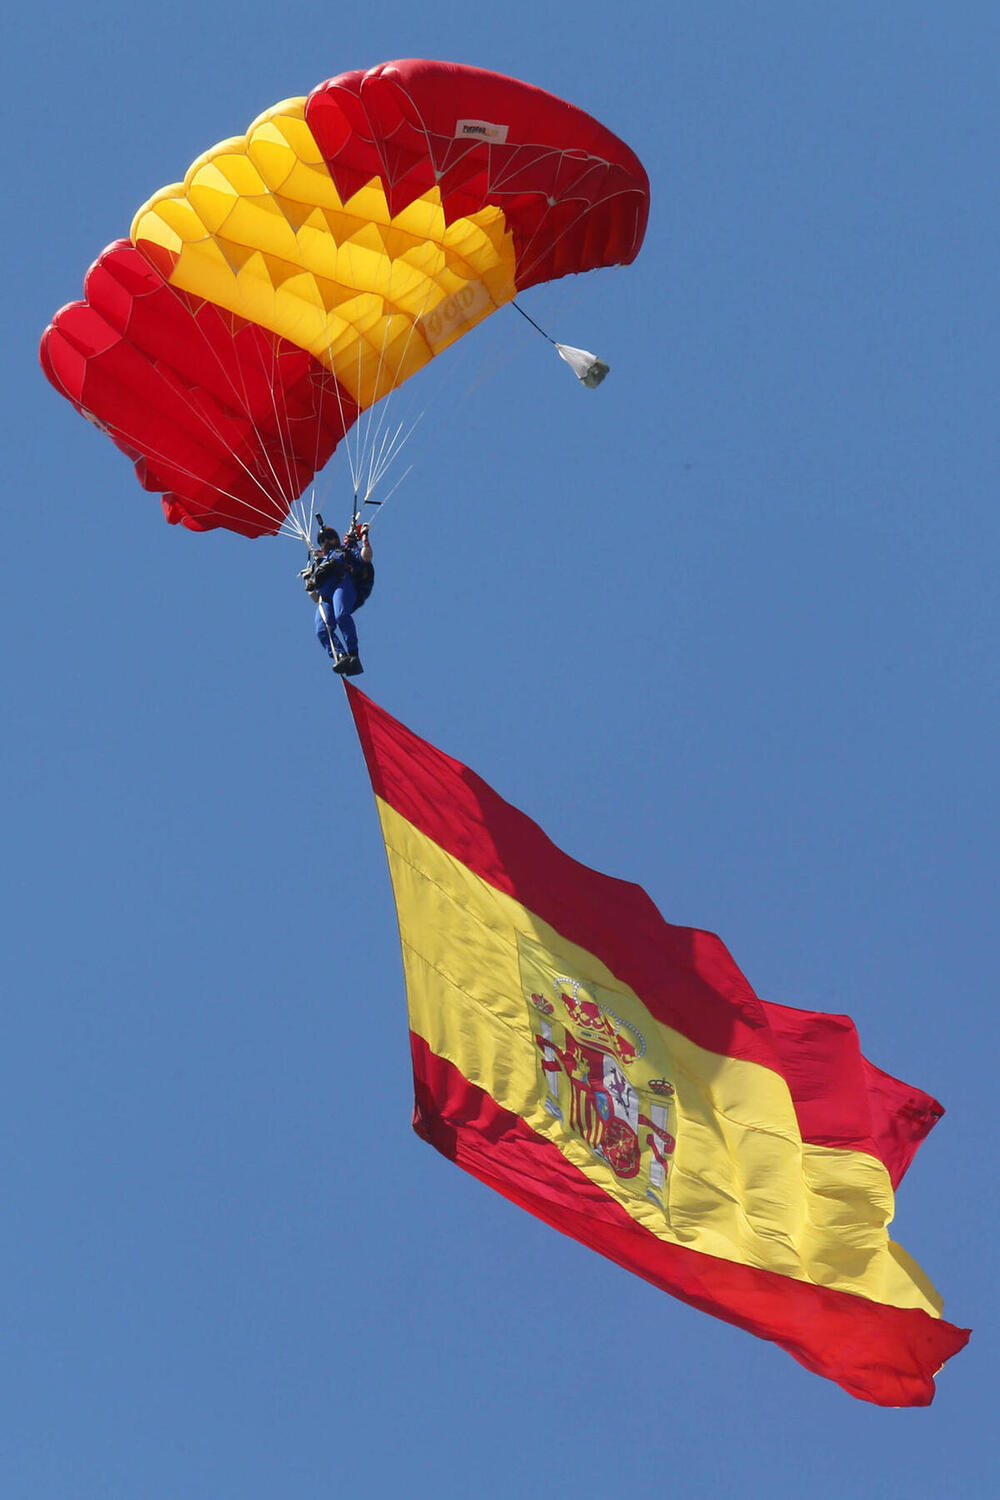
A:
(726, 627)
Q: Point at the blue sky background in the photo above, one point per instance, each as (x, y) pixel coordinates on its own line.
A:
(726, 627)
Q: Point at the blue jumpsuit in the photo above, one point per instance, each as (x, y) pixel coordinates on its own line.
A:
(338, 599)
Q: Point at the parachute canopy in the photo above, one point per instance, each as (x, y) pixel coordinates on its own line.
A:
(304, 270)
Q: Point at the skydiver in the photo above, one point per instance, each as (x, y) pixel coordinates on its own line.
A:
(339, 579)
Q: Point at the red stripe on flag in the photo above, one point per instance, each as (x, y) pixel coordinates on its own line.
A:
(685, 977)
(886, 1355)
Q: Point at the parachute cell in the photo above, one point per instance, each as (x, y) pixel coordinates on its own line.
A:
(304, 270)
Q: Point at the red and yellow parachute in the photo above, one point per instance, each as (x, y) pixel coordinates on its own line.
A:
(304, 270)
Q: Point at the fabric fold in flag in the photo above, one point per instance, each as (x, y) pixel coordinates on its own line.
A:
(617, 1076)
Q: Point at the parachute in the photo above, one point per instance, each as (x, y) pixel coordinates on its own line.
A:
(305, 270)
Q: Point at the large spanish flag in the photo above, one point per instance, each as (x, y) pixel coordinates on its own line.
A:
(618, 1077)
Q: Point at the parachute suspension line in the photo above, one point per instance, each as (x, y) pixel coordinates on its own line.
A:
(265, 515)
(365, 418)
(362, 434)
(460, 357)
(282, 486)
(283, 426)
(358, 449)
(300, 519)
(352, 437)
(288, 525)
(211, 427)
(375, 442)
(371, 445)
(384, 446)
(345, 425)
(388, 496)
(380, 452)
(390, 446)
(390, 450)
(374, 445)
(241, 400)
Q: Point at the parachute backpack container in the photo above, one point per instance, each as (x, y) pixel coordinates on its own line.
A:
(303, 271)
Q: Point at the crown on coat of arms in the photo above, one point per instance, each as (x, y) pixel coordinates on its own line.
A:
(662, 1087)
(545, 1006)
(596, 1024)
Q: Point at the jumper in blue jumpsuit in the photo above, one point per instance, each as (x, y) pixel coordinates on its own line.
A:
(338, 599)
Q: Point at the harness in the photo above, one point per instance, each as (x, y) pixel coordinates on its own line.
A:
(361, 573)
(343, 560)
